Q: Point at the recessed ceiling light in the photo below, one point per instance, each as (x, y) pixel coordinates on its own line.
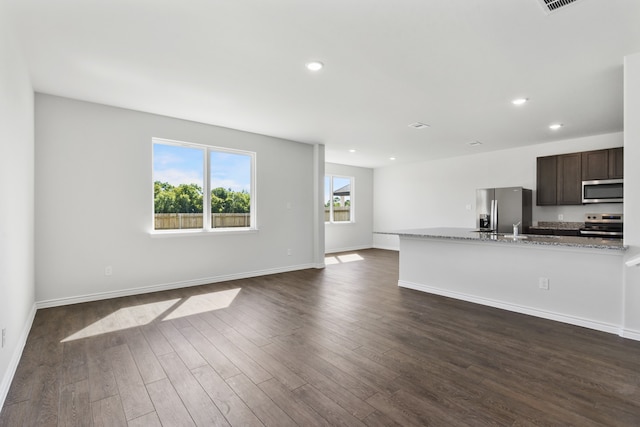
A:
(392, 158)
(419, 125)
(556, 126)
(475, 143)
(352, 151)
(519, 101)
(314, 65)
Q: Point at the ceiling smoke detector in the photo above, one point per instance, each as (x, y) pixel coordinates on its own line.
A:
(419, 125)
(551, 6)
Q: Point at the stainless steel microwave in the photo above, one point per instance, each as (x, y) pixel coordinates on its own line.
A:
(602, 191)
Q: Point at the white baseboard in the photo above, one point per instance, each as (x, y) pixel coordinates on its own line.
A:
(559, 317)
(348, 249)
(387, 247)
(630, 334)
(15, 358)
(57, 302)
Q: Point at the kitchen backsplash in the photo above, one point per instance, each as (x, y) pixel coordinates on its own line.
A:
(572, 213)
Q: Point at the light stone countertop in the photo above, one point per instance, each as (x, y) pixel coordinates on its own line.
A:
(470, 234)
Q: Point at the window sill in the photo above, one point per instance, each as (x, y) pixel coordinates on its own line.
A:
(340, 223)
(183, 233)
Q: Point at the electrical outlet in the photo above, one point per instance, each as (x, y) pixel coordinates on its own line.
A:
(288, 251)
(4, 336)
(543, 283)
(468, 207)
(108, 270)
(560, 217)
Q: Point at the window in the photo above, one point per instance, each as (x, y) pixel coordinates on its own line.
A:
(197, 187)
(338, 196)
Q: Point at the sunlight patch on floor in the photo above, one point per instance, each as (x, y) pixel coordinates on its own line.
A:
(350, 258)
(202, 303)
(139, 315)
(127, 317)
(340, 259)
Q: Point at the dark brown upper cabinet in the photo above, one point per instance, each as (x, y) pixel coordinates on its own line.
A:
(616, 163)
(595, 165)
(569, 184)
(559, 178)
(602, 164)
(546, 177)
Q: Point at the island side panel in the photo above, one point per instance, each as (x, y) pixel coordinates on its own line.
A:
(585, 285)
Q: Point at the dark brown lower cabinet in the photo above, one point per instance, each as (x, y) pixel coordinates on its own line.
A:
(553, 232)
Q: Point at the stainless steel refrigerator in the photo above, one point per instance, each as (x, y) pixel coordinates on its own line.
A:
(498, 209)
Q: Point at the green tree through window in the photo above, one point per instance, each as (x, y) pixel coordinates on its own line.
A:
(179, 186)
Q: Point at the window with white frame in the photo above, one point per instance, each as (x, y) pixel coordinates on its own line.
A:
(338, 196)
(198, 187)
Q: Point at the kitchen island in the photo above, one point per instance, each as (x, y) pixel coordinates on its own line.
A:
(576, 280)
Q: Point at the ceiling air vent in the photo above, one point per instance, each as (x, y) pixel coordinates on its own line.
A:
(553, 5)
(419, 125)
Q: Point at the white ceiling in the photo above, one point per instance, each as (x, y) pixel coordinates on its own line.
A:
(454, 64)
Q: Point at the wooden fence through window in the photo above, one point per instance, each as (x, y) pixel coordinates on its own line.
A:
(181, 221)
(340, 214)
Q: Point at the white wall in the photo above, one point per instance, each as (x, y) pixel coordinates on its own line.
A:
(94, 205)
(441, 193)
(17, 206)
(632, 190)
(356, 235)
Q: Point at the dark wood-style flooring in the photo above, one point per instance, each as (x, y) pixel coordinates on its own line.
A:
(339, 346)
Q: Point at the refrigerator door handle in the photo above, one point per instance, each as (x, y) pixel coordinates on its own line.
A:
(494, 215)
(491, 215)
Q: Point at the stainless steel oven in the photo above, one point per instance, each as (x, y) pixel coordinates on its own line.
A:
(602, 191)
(609, 226)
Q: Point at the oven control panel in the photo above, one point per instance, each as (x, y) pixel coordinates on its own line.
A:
(603, 217)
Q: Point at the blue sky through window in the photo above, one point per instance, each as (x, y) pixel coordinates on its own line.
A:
(231, 170)
(184, 165)
(177, 165)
